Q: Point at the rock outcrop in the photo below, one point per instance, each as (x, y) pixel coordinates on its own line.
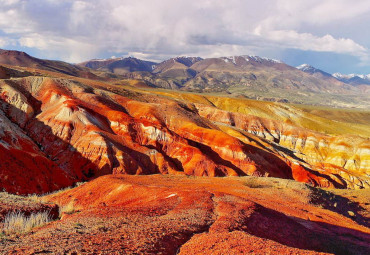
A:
(344, 158)
(24, 167)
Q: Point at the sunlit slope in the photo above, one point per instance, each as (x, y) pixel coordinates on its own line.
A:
(315, 142)
(326, 120)
(349, 115)
(90, 128)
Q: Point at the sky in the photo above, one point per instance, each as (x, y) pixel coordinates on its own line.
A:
(332, 35)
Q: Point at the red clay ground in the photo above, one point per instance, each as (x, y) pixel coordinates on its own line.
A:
(164, 214)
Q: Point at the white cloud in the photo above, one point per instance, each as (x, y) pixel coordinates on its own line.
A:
(8, 2)
(77, 30)
(72, 50)
(319, 11)
(307, 41)
(3, 43)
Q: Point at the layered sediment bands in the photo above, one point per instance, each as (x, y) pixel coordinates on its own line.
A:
(24, 169)
(89, 129)
(345, 158)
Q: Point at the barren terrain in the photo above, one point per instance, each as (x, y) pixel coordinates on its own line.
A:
(164, 214)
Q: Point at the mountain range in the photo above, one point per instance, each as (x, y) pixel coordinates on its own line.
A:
(354, 79)
(357, 80)
(171, 68)
(237, 74)
(244, 76)
(180, 70)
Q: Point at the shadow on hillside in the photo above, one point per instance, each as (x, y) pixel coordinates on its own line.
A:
(338, 204)
(48, 143)
(306, 234)
(77, 167)
(336, 239)
(282, 170)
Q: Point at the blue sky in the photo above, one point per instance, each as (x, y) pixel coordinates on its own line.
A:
(332, 35)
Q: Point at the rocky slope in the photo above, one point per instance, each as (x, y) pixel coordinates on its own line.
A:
(24, 167)
(89, 132)
(345, 157)
(81, 129)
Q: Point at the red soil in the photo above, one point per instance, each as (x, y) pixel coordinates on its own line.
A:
(163, 214)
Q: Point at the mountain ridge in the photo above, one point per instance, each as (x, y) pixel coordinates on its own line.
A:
(181, 70)
(22, 59)
(360, 81)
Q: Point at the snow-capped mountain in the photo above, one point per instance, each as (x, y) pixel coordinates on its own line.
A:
(353, 79)
(248, 58)
(350, 76)
(307, 68)
(314, 71)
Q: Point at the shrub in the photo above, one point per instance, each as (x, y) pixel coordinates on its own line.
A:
(67, 209)
(17, 222)
(256, 183)
(35, 197)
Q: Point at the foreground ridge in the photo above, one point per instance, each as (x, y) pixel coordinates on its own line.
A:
(166, 214)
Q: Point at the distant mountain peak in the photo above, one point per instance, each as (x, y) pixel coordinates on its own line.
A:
(188, 57)
(13, 52)
(353, 79)
(350, 76)
(262, 59)
(304, 67)
(248, 58)
(312, 70)
(186, 60)
(106, 59)
(229, 59)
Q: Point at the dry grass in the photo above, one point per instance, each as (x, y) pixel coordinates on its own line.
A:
(18, 223)
(77, 184)
(67, 209)
(35, 197)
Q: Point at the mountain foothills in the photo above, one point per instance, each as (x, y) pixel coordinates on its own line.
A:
(174, 123)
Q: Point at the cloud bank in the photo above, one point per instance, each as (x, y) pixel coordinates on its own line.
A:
(157, 29)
